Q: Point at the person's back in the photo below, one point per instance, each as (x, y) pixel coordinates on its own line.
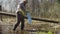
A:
(21, 8)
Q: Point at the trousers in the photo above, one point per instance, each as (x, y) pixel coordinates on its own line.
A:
(20, 19)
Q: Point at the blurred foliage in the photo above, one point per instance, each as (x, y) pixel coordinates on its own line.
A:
(58, 1)
(37, 8)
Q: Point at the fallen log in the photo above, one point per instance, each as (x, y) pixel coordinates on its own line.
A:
(38, 19)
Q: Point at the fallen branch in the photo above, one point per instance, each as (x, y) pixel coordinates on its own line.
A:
(38, 19)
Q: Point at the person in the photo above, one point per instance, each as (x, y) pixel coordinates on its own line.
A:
(21, 11)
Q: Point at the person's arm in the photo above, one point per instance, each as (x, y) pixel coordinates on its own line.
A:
(22, 7)
(17, 8)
